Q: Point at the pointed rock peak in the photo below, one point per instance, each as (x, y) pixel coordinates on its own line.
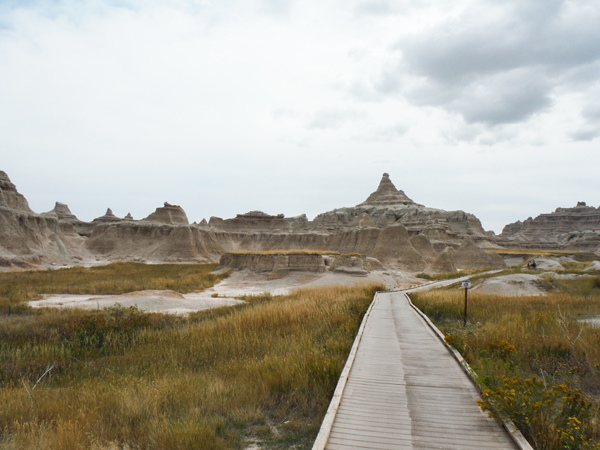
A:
(63, 212)
(387, 195)
(386, 184)
(108, 217)
(129, 216)
(61, 208)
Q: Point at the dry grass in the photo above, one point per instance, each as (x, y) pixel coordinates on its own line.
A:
(122, 379)
(116, 278)
(285, 252)
(535, 360)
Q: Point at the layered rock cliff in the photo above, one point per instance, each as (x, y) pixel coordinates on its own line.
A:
(576, 228)
(388, 205)
(28, 239)
(252, 221)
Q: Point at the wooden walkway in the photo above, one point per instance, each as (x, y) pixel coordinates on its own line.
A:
(406, 391)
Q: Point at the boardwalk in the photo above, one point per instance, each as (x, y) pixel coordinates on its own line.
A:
(406, 391)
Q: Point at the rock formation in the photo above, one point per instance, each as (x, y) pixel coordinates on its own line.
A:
(62, 212)
(279, 264)
(469, 256)
(575, 228)
(444, 263)
(9, 197)
(169, 214)
(387, 228)
(283, 263)
(387, 195)
(65, 218)
(28, 239)
(355, 264)
(107, 218)
(388, 205)
(252, 221)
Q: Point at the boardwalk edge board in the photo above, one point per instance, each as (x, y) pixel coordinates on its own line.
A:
(508, 424)
(327, 424)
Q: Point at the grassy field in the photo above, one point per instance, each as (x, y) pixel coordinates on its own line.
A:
(116, 278)
(119, 378)
(536, 362)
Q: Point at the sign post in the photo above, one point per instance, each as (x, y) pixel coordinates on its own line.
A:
(466, 284)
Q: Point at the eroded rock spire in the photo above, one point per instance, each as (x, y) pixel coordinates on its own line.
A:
(387, 195)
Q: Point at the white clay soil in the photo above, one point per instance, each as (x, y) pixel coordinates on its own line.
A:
(223, 294)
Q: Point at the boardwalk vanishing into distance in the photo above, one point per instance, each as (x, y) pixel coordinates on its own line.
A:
(405, 390)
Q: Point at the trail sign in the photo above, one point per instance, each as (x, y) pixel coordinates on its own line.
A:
(466, 284)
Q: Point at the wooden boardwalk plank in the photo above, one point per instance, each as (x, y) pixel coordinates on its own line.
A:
(406, 391)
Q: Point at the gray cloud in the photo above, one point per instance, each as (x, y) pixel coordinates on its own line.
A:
(554, 34)
(591, 129)
(592, 112)
(504, 98)
(497, 63)
(585, 134)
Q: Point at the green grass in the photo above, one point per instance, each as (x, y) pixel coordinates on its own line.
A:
(536, 362)
(119, 378)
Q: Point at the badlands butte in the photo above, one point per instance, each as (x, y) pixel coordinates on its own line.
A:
(386, 231)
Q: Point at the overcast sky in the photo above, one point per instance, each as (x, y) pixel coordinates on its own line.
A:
(227, 106)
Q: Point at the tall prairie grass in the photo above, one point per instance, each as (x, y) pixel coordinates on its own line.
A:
(536, 361)
(119, 378)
